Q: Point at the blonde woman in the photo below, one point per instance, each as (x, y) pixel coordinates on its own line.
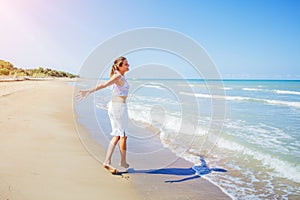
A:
(117, 111)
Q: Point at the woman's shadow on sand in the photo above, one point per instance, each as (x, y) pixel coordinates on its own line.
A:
(193, 172)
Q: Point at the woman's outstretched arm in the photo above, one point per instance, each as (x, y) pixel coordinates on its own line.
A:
(82, 94)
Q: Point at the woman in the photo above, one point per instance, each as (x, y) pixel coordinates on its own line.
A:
(117, 111)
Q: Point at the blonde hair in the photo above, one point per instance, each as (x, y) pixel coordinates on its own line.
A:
(117, 63)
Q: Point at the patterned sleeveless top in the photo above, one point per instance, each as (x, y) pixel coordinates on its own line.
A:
(121, 90)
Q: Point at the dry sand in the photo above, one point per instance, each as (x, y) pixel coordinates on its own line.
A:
(41, 155)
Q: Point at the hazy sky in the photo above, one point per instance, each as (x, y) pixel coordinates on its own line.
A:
(245, 39)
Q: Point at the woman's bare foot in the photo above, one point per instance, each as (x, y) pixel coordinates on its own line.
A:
(124, 165)
(110, 168)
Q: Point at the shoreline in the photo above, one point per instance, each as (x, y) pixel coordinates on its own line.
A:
(156, 175)
(170, 176)
(27, 78)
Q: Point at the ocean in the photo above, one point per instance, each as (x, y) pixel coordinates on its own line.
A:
(257, 144)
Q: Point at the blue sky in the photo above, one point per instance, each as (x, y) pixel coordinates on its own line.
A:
(245, 39)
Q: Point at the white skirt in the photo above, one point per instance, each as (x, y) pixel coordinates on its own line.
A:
(118, 116)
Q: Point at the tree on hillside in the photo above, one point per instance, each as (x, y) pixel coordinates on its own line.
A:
(6, 65)
(7, 69)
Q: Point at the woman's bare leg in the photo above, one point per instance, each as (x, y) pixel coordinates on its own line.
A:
(123, 149)
(110, 150)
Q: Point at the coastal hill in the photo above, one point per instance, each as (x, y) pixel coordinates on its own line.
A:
(8, 70)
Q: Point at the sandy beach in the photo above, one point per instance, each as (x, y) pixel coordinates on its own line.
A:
(43, 157)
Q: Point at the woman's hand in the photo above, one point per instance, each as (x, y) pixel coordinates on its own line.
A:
(82, 94)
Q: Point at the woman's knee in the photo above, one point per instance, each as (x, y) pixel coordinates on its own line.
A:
(115, 140)
(123, 138)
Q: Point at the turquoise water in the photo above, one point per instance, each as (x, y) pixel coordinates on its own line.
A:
(258, 145)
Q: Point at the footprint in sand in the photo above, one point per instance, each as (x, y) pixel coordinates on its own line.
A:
(8, 192)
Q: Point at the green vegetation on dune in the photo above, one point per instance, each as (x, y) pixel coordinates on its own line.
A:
(7, 69)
